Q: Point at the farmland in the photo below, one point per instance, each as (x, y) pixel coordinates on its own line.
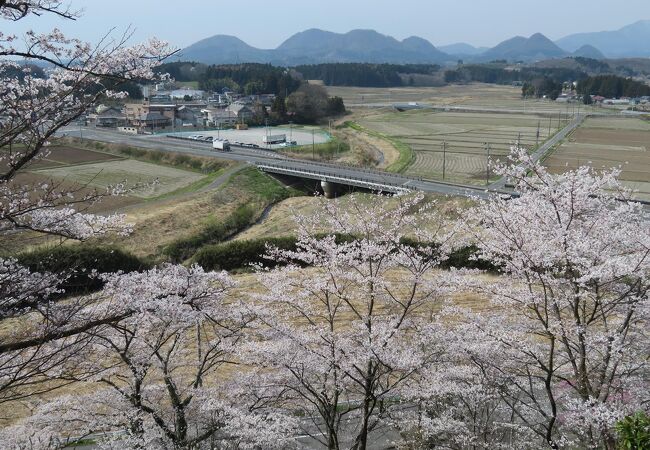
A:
(159, 180)
(607, 143)
(475, 96)
(178, 191)
(457, 143)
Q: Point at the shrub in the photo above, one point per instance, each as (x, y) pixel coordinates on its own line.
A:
(240, 254)
(634, 432)
(79, 261)
(183, 248)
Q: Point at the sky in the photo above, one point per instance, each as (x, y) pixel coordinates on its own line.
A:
(267, 23)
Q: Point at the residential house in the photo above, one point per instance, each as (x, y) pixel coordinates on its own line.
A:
(152, 120)
(111, 117)
(108, 114)
(240, 111)
(217, 117)
(187, 116)
(136, 111)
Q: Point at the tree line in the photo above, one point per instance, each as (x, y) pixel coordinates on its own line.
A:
(246, 79)
(612, 86)
(364, 74)
(488, 73)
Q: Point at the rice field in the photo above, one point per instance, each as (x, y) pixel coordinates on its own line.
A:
(457, 146)
(607, 143)
(159, 180)
(477, 96)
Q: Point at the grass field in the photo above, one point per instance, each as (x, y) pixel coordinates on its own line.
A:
(104, 174)
(281, 219)
(606, 143)
(458, 142)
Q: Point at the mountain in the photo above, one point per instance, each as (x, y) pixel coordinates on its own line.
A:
(630, 41)
(519, 48)
(222, 49)
(589, 51)
(462, 49)
(317, 46)
(309, 40)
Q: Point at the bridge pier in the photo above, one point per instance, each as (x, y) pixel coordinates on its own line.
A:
(329, 189)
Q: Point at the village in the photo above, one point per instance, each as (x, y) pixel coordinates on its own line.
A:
(164, 109)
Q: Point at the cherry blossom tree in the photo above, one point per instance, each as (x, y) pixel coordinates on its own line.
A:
(568, 326)
(160, 378)
(336, 341)
(40, 333)
(457, 403)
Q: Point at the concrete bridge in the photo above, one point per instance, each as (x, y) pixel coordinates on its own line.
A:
(333, 177)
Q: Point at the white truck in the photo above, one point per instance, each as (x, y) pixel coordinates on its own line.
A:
(274, 139)
(221, 144)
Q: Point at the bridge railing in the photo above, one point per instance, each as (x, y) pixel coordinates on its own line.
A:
(335, 176)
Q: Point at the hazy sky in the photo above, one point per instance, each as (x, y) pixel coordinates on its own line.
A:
(266, 23)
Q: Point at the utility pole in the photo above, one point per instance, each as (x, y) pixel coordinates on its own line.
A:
(550, 124)
(291, 131)
(487, 170)
(444, 159)
(539, 123)
(313, 145)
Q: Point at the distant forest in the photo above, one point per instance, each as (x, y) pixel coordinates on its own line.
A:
(256, 78)
(485, 73)
(611, 86)
(537, 82)
(365, 75)
(242, 78)
(265, 78)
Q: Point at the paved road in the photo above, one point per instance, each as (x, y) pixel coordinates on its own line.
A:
(271, 160)
(544, 148)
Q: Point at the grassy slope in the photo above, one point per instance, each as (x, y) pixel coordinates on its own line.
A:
(245, 197)
(406, 154)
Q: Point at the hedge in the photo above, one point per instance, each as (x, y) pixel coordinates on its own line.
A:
(78, 261)
(183, 248)
(238, 255)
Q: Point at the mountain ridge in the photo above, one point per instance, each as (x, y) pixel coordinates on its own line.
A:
(315, 46)
(629, 41)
